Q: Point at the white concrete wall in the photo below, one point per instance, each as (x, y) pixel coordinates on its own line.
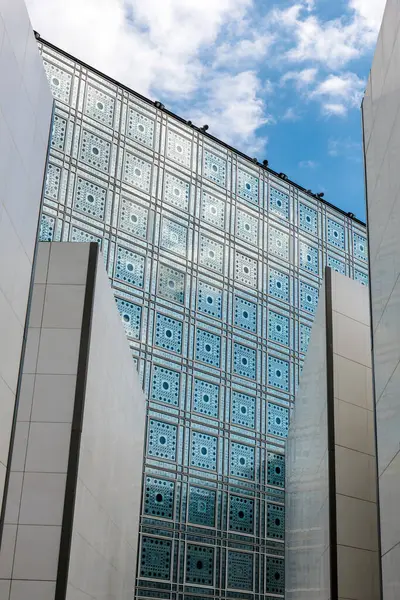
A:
(105, 532)
(35, 502)
(106, 518)
(355, 462)
(311, 539)
(25, 114)
(307, 539)
(381, 116)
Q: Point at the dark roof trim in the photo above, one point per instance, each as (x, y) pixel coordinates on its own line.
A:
(205, 134)
(71, 485)
(330, 396)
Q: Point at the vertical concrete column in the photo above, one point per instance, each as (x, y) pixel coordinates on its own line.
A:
(381, 135)
(73, 503)
(332, 515)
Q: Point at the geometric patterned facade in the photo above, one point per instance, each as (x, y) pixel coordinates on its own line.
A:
(215, 263)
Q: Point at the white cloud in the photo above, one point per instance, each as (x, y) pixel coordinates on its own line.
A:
(308, 164)
(247, 51)
(345, 148)
(290, 114)
(149, 45)
(339, 92)
(336, 93)
(268, 87)
(328, 43)
(369, 10)
(183, 52)
(181, 27)
(234, 111)
(301, 78)
(309, 5)
(340, 85)
(332, 43)
(336, 109)
(217, 57)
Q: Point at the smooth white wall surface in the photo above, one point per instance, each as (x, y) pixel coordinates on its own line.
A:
(309, 489)
(307, 575)
(355, 462)
(381, 118)
(35, 501)
(106, 524)
(25, 115)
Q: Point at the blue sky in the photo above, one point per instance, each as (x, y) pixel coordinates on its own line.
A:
(278, 80)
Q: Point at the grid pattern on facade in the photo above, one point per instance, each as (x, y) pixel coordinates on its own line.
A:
(216, 265)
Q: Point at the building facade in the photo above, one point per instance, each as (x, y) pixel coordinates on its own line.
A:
(26, 108)
(331, 540)
(73, 500)
(381, 127)
(216, 264)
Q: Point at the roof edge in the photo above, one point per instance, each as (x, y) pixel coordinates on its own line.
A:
(161, 107)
